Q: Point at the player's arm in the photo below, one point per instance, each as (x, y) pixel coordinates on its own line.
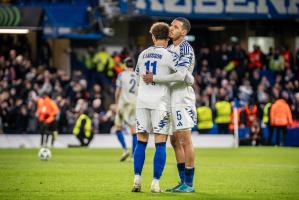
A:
(181, 75)
(118, 88)
(183, 65)
(117, 94)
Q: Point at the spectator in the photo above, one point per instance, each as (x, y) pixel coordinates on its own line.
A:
(205, 118)
(225, 56)
(104, 66)
(240, 57)
(251, 113)
(222, 114)
(255, 136)
(280, 118)
(216, 58)
(256, 58)
(288, 57)
(276, 62)
(245, 92)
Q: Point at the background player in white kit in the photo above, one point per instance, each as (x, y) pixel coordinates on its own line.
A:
(125, 98)
(182, 105)
(153, 105)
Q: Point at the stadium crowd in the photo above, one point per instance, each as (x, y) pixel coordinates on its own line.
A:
(224, 76)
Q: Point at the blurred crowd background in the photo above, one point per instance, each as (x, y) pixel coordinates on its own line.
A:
(247, 61)
(225, 73)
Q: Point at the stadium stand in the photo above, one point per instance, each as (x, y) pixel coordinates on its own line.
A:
(225, 71)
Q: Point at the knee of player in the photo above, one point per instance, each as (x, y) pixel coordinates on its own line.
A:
(185, 142)
(176, 144)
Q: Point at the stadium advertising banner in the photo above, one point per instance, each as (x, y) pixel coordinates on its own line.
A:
(220, 9)
(12, 16)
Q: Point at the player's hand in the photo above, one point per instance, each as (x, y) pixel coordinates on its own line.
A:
(148, 77)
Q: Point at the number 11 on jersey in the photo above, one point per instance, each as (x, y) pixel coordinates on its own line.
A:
(148, 64)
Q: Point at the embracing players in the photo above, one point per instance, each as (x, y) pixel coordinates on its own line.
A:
(153, 104)
(182, 104)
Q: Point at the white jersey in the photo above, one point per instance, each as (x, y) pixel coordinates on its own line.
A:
(127, 81)
(181, 93)
(157, 60)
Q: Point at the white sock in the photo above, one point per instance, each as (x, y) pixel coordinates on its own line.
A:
(137, 177)
(156, 181)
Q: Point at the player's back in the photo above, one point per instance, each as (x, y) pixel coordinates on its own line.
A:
(127, 81)
(181, 93)
(157, 60)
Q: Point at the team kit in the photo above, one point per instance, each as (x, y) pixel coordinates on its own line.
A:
(157, 97)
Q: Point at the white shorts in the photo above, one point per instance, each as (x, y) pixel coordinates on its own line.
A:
(125, 115)
(183, 117)
(152, 121)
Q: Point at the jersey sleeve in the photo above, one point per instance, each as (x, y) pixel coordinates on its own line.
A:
(181, 75)
(186, 56)
(172, 61)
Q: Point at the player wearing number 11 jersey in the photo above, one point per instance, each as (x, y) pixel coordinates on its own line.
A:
(182, 103)
(153, 105)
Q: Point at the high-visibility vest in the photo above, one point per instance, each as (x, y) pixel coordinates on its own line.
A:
(88, 61)
(223, 111)
(280, 113)
(276, 64)
(205, 117)
(87, 126)
(101, 59)
(110, 67)
(266, 113)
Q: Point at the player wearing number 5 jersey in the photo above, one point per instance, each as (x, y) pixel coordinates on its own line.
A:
(153, 105)
(125, 98)
(182, 104)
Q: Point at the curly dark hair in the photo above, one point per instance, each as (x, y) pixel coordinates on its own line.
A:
(160, 30)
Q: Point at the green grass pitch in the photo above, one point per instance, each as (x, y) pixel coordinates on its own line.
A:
(243, 173)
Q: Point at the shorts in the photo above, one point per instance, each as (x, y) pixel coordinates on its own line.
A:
(183, 117)
(125, 115)
(152, 121)
(47, 128)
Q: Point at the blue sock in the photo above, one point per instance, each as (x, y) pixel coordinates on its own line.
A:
(121, 139)
(159, 159)
(189, 176)
(181, 169)
(139, 157)
(134, 142)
